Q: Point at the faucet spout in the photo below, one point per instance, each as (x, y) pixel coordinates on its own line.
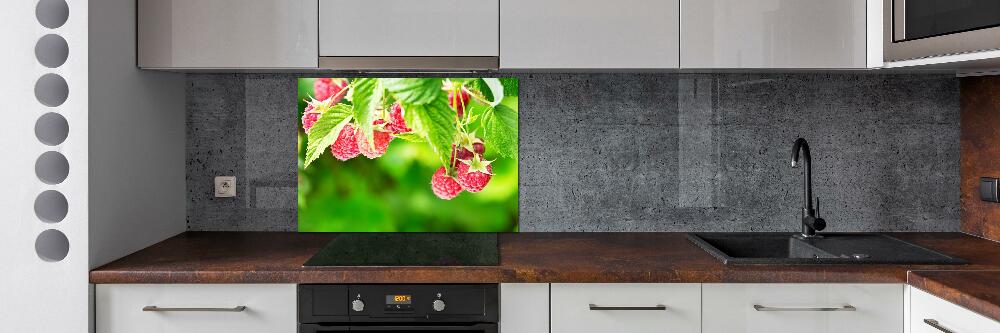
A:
(810, 222)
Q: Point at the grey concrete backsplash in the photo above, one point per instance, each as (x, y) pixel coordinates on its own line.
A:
(639, 152)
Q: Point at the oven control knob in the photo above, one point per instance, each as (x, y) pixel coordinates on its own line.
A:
(438, 305)
(358, 305)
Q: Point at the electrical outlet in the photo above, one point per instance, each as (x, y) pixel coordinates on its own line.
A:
(225, 187)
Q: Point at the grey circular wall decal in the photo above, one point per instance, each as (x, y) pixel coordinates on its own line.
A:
(52, 167)
(51, 129)
(51, 206)
(51, 51)
(51, 90)
(52, 13)
(52, 245)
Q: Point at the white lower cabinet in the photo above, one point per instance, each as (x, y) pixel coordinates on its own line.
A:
(625, 308)
(524, 308)
(802, 308)
(569, 307)
(930, 314)
(201, 308)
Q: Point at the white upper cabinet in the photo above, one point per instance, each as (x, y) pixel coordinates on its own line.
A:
(778, 34)
(589, 34)
(409, 28)
(227, 34)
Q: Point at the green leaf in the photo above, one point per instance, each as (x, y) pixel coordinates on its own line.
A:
(510, 86)
(437, 123)
(415, 91)
(325, 131)
(480, 86)
(500, 130)
(367, 95)
(496, 89)
(411, 137)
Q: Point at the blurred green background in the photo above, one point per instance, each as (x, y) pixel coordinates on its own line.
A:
(393, 193)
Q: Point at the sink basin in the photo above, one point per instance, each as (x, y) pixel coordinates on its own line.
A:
(835, 248)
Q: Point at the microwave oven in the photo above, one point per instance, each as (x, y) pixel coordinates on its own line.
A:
(915, 29)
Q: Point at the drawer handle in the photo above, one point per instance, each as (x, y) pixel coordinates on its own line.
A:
(657, 307)
(759, 307)
(935, 324)
(154, 308)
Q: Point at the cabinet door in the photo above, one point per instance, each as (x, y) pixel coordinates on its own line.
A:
(930, 314)
(269, 308)
(227, 33)
(408, 28)
(624, 34)
(625, 307)
(773, 34)
(524, 308)
(802, 308)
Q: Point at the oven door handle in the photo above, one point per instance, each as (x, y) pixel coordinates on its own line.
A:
(485, 328)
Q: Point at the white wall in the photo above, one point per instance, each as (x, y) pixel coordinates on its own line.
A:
(38, 295)
(124, 187)
(137, 121)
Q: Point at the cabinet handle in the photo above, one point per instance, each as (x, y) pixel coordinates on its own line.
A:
(595, 307)
(759, 307)
(935, 324)
(154, 308)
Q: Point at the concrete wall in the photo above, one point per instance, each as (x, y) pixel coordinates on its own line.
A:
(640, 152)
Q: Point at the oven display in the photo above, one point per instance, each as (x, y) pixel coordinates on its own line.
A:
(399, 303)
(398, 299)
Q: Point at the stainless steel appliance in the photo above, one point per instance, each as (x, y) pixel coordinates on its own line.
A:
(916, 29)
(387, 308)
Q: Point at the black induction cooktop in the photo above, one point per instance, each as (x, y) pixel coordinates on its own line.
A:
(409, 249)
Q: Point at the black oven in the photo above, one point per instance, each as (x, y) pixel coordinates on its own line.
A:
(388, 308)
(928, 28)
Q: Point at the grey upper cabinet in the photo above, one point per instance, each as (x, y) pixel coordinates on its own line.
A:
(192, 34)
(775, 34)
(589, 34)
(380, 34)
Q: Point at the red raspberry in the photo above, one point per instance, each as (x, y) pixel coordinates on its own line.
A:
(346, 146)
(444, 186)
(458, 99)
(397, 124)
(309, 118)
(332, 89)
(479, 148)
(458, 154)
(380, 145)
(473, 175)
(463, 154)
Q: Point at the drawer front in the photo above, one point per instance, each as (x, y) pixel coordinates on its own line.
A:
(571, 310)
(796, 308)
(946, 315)
(407, 28)
(269, 308)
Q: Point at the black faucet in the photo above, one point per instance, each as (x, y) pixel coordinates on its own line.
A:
(810, 221)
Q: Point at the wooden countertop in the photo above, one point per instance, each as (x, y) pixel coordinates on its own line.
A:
(275, 257)
(269, 257)
(974, 290)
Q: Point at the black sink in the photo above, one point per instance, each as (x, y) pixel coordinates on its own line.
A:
(834, 248)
